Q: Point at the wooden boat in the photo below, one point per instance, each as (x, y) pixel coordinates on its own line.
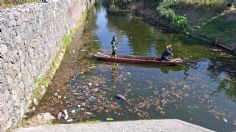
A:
(137, 59)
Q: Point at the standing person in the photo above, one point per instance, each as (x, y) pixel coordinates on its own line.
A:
(167, 53)
(113, 45)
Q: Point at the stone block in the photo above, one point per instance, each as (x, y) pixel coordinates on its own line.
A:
(3, 49)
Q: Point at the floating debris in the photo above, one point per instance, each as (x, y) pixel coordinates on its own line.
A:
(120, 97)
(73, 111)
(128, 73)
(70, 120)
(88, 113)
(90, 84)
(59, 115)
(65, 112)
(78, 109)
(56, 94)
(225, 120)
(66, 117)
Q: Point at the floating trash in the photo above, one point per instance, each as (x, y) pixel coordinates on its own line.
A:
(65, 112)
(90, 84)
(70, 120)
(56, 94)
(88, 113)
(73, 111)
(78, 109)
(66, 117)
(92, 98)
(225, 120)
(128, 73)
(59, 115)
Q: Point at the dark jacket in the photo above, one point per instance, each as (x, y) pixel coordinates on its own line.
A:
(165, 55)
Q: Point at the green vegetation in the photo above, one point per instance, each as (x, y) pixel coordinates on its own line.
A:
(91, 122)
(228, 89)
(221, 28)
(206, 20)
(116, 3)
(69, 36)
(209, 19)
(199, 12)
(66, 40)
(51, 122)
(43, 81)
(177, 22)
(12, 3)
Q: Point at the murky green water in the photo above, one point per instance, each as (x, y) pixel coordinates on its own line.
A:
(201, 91)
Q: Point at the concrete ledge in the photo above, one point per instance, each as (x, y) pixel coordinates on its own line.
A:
(168, 125)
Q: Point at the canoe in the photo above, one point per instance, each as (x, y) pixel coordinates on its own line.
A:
(137, 59)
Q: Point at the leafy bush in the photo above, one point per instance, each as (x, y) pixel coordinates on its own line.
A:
(176, 21)
(180, 23)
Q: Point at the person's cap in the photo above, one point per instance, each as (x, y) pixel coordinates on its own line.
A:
(168, 46)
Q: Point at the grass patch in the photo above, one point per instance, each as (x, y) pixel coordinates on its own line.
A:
(199, 12)
(51, 122)
(43, 81)
(83, 17)
(220, 28)
(42, 84)
(66, 40)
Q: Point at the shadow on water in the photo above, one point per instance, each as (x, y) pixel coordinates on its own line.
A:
(201, 91)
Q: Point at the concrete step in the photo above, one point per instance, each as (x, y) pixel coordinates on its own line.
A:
(166, 125)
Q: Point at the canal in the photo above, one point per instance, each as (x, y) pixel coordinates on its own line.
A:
(201, 91)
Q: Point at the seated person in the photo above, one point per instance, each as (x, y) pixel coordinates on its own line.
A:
(166, 55)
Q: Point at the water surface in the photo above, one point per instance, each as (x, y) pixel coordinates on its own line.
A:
(201, 91)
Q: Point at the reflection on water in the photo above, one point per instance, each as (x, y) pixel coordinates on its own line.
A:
(201, 91)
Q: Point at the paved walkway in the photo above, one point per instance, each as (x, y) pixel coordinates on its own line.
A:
(168, 125)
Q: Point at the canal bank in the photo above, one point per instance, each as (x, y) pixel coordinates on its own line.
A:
(34, 37)
(212, 22)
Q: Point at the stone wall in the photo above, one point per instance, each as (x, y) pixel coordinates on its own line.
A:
(30, 37)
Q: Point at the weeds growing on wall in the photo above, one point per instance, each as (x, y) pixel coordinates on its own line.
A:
(12, 3)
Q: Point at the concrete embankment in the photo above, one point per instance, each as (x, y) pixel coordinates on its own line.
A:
(31, 36)
(168, 125)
